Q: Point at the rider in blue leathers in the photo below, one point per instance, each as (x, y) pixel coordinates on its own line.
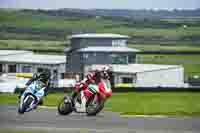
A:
(43, 78)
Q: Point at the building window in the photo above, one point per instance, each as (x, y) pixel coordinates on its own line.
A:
(85, 56)
(1, 67)
(68, 58)
(55, 74)
(26, 69)
(127, 80)
(62, 75)
(12, 68)
(119, 43)
(84, 42)
(119, 59)
(131, 58)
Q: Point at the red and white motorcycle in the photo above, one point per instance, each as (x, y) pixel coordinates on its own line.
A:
(86, 101)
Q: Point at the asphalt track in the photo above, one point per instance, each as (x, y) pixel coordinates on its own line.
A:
(105, 122)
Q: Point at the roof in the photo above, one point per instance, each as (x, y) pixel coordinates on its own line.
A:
(107, 49)
(138, 68)
(13, 52)
(34, 59)
(98, 35)
(67, 49)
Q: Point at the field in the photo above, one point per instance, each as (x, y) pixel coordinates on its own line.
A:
(137, 103)
(44, 26)
(60, 45)
(34, 45)
(5, 130)
(158, 47)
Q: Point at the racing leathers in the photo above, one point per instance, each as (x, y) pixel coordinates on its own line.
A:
(43, 81)
(91, 82)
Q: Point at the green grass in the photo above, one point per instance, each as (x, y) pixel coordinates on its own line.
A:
(50, 100)
(5, 130)
(152, 32)
(60, 45)
(162, 47)
(155, 103)
(34, 45)
(26, 130)
(137, 103)
(21, 19)
(8, 98)
(42, 21)
(29, 130)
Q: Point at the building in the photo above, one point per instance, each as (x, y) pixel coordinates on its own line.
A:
(146, 75)
(88, 49)
(94, 50)
(15, 61)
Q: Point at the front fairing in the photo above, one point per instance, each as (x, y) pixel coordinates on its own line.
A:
(105, 84)
(105, 88)
(37, 89)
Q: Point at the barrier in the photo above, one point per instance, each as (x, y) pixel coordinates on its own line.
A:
(137, 89)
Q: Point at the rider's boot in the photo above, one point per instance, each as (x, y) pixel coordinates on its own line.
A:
(73, 95)
(82, 103)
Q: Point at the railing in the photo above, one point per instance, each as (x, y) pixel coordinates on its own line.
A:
(137, 89)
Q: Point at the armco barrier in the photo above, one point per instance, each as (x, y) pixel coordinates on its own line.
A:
(138, 89)
(157, 89)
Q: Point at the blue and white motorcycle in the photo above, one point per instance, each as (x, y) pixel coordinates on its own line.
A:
(31, 97)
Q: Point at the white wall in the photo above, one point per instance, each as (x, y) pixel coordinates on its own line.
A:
(165, 78)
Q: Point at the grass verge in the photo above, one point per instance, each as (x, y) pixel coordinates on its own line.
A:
(137, 103)
(28, 130)
(20, 131)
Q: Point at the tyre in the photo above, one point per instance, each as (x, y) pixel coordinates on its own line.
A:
(41, 102)
(26, 104)
(21, 110)
(93, 106)
(64, 108)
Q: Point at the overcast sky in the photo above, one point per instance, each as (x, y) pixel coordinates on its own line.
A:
(103, 4)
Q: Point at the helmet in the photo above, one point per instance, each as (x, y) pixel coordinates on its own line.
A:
(107, 69)
(45, 75)
(105, 74)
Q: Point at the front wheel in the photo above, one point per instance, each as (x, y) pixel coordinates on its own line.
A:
(94, 105)
(21, 109)
(26, 102)
(65, 108)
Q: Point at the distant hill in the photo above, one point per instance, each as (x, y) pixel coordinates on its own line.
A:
(143, 26)
(159, 14)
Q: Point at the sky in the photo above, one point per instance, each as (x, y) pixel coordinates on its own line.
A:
(101, 4)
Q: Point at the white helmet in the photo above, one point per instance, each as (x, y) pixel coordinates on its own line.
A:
(107, 68)
(106, 71)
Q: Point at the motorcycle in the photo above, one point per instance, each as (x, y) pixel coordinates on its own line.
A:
(86, 101)
(31, 97)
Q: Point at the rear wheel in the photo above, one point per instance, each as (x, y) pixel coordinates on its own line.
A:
(65, 108)
(94, 106)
